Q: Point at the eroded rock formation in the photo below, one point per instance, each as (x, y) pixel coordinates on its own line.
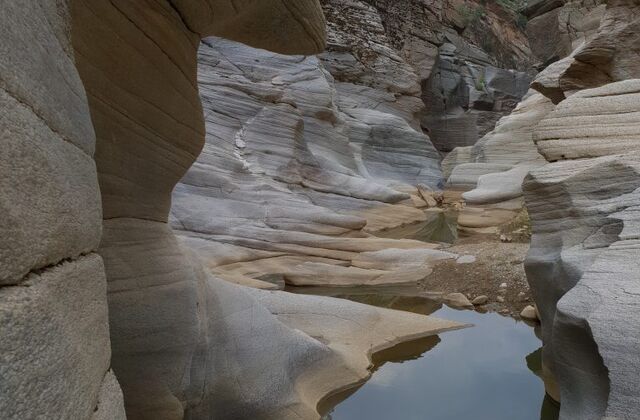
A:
(583, 212)
(183, 343)
(583, 117)
(493, 169)
(54, 335)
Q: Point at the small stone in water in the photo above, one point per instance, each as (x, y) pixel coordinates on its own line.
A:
(504, 286)
(500, 299)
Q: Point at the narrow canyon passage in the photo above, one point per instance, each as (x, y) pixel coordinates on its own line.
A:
(320, 209)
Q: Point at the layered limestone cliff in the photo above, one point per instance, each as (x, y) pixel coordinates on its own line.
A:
(466, 60)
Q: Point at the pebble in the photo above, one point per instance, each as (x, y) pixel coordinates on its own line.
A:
(500, 299)
(504, 285)
(457, 300)
(529, 313)
(480, 300)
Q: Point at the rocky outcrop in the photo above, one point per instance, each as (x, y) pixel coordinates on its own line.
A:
(467, 93)
(579, 127)
(557, 27)
(54, 334)
(583, 215)
(312, 164)
(479, 74)
(579, 212)
(453, 56)
(495, 166)
(493, 169)
(181, 342)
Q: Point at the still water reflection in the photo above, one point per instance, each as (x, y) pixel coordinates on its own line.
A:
(487, 372)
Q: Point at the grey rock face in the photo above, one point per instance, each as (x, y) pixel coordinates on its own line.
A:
(467, 94)
(579, 128)
(582, 218)
(583, 221)
(496, 166)
(289, 154)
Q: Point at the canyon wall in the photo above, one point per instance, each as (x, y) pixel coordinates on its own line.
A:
(492, 170)
(582, 115)
(583, 210)
(466, 60)
(301, 150)
(102, 119)
(55, 353)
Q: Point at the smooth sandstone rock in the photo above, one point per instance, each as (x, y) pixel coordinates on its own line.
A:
(582, 212)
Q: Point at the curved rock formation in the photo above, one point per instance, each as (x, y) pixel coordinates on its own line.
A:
(493, 169)
(185, 345)
(583, 212)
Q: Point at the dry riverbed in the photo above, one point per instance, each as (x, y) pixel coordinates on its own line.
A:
(495, 264)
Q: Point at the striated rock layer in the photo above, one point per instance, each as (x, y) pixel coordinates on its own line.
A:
(583, 211)
(182, 343)
(492, 170)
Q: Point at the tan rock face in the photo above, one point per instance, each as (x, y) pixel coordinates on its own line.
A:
(54, 336)
(138, 62)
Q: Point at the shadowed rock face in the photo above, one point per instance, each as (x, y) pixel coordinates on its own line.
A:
(54, 335)
(432, 52)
